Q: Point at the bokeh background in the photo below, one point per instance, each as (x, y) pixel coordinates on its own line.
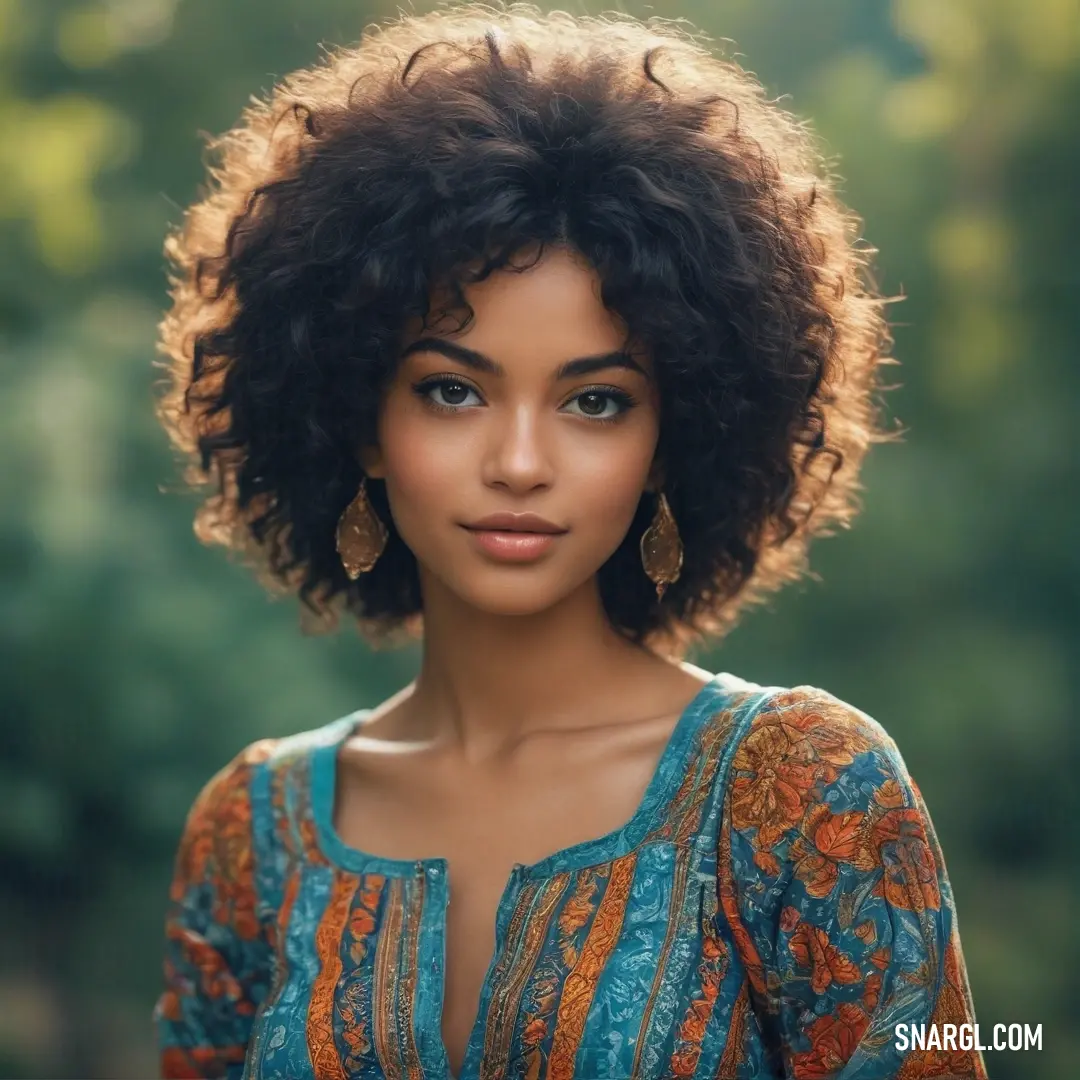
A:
(134, 662)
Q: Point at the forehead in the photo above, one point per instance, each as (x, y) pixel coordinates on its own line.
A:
(546, 313)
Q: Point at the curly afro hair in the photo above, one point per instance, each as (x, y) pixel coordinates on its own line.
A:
(432, 153)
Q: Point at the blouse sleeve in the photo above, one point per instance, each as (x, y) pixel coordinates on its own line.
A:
(216, 957)
(834, 886)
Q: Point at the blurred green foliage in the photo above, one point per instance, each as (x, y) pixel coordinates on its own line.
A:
(134, 663)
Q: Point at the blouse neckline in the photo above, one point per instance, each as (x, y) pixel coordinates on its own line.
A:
(620, 841)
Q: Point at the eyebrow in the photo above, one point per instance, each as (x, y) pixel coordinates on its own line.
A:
(581, 365)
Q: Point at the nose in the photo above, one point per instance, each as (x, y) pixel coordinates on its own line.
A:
(517, 455)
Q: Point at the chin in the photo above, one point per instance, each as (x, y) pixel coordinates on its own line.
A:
(509, 598)
(524, 590)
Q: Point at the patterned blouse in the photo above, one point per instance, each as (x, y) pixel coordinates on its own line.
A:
(776, 905)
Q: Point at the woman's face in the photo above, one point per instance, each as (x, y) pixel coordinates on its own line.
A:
(533, 409)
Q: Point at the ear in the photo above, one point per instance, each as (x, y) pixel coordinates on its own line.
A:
(655, 481)
(371, 461)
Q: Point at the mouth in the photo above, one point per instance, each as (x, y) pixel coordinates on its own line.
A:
(513, 545)
(527, 524)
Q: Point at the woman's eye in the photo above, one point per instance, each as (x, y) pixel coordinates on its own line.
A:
(602, 404)
(446, 393)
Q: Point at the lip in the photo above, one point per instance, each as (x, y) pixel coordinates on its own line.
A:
(508, 545)
(515, 523)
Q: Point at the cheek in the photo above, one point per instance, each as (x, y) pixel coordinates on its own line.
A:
(405, 438)
(612, 492)
(422, 467)
(610, 477)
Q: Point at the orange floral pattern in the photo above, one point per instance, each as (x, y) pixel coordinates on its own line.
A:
(217, 963)
(826, 838)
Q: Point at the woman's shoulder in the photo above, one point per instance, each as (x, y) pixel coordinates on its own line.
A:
(808, 757)
(226, 795)
(807, 724)
(792, 723)
(243, 788)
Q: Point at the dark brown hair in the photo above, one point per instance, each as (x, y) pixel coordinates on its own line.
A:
(435, 151)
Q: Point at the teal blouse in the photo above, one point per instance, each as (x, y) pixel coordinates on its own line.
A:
(777, 904)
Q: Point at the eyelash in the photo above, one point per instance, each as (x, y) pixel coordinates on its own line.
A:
(423, 388)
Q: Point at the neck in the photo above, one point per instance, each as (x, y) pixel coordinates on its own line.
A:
(488, 680)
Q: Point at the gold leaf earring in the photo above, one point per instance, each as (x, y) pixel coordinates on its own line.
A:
(361, 536)
(661, 548)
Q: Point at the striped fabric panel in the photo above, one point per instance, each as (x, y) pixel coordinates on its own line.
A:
(526, 936)
(569, 930)
(580, 984)
(325, 1059)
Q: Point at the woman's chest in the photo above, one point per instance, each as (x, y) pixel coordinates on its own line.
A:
(617, 969)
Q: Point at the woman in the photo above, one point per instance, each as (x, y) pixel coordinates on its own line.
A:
(545, 338)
